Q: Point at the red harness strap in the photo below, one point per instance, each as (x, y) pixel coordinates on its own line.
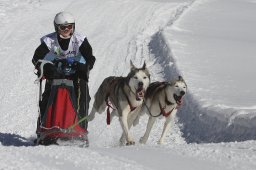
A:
(131, 107)
(164, 113)
(108, 103)
(108, 111)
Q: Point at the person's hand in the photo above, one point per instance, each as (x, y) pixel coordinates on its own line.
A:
(82, 67)
(50, 72)
(75, 65)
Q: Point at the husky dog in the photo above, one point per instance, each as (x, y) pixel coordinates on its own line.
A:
(126, 94)
(162, 99)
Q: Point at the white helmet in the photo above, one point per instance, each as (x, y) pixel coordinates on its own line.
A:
(63, 18)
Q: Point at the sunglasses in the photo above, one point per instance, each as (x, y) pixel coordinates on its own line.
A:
(64, 27)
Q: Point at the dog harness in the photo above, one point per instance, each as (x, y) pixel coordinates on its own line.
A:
(156, 87)
(163, 112)
(109, 105)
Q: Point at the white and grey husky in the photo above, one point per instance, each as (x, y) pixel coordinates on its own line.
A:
(126, 94)
(162, 99)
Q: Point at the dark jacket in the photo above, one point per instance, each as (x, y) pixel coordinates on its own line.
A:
(85, 49)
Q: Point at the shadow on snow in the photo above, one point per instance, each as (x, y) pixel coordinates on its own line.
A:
(8, 139)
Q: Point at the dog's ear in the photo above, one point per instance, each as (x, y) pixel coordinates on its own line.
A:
(171, 83)
(180, 78)
(144, 66)
(132, 65)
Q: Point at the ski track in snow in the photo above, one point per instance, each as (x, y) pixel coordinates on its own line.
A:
(146, 42)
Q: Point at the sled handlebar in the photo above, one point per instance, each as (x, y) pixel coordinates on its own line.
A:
(40, 70)
(66, 67)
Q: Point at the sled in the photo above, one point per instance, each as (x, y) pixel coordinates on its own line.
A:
(60, 120)
(59, 124)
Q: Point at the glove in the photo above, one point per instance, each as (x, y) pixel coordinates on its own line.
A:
(82, 71)
(74, 66)
(82, 67)
(50, 72)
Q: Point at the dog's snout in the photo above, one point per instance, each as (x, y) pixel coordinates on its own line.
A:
(182, 93)
(140, 84)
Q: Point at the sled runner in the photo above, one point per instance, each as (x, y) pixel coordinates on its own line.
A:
(59, 122)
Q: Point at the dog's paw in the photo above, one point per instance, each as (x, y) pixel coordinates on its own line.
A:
(160, 142)
(142, 140)
(130, 143)
(122, 141)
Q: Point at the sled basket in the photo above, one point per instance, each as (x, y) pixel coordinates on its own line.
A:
(60, 115)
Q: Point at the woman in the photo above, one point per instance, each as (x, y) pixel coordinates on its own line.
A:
(62, 44)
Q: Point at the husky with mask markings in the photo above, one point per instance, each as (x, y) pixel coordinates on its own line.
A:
(162, 100)
(125, 95)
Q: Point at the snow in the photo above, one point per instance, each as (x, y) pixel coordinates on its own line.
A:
(209, 42)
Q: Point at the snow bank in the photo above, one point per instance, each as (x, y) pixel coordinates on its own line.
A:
(199, 34)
